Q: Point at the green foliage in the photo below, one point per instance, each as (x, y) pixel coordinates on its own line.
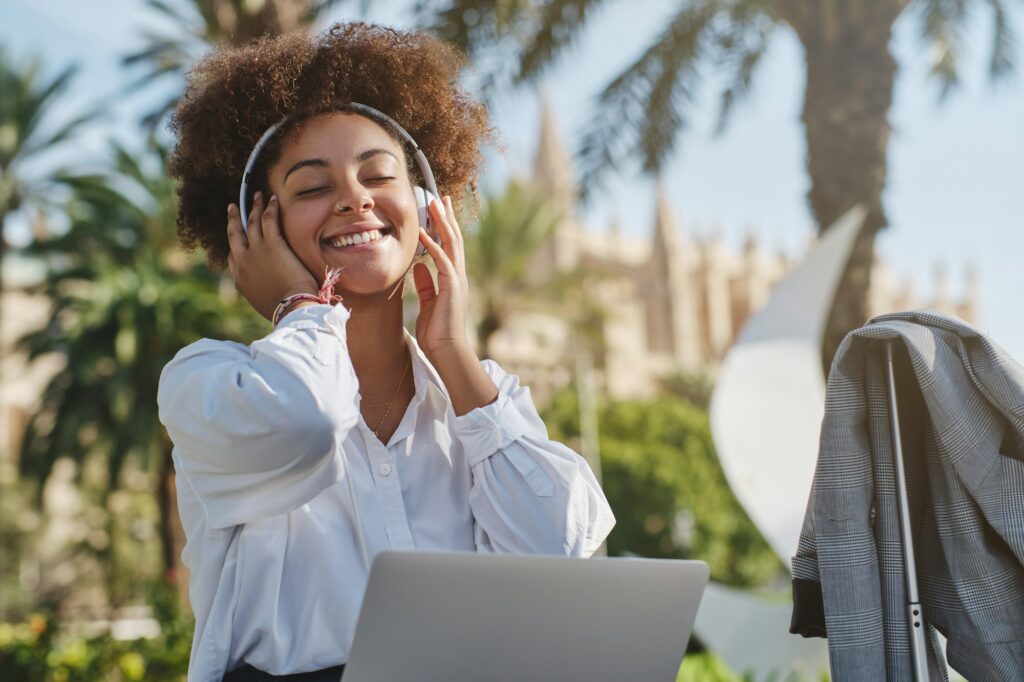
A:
(18, 526)
(35, 651)
(694, 388)
(704, 668)
(666, 487)
(500, 245)
(124, 300)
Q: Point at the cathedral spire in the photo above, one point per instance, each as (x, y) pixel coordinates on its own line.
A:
(666, 227)
(552, 165)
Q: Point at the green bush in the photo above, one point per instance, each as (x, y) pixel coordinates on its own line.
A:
(36, 651)
(663, 480)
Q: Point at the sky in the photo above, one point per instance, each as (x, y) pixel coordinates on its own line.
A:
(955, 193)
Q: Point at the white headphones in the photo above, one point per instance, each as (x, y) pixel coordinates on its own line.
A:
(423, 196)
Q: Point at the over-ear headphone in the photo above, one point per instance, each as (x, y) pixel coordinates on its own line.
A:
(423, 196)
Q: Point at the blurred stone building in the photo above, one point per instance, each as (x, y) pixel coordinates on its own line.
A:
(672, 303)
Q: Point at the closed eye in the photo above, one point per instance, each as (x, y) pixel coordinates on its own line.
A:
(381, 178)
(311, 190)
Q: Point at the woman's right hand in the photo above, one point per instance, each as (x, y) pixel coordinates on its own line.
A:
(264, 267)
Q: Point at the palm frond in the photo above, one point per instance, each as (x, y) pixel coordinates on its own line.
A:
(559, 23)
(640, 112)
(501, 243)
(65, 132)
(167, 10)
(1004, 43)
(742, 45)
(942, 25)
(35, 103)
(29, 131)
(491, 34)
(24, 103)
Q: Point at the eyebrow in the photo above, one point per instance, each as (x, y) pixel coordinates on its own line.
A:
(324, 163)
(318, 163)
(370, 153)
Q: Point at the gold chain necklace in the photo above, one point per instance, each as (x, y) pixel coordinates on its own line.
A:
(391, 402)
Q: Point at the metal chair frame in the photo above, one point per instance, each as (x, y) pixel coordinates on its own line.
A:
(915, 616)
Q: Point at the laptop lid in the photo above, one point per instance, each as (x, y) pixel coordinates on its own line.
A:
(461, 617)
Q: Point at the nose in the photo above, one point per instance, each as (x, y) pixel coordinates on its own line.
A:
(357, 200)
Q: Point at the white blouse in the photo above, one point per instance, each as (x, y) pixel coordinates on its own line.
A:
(263, 438)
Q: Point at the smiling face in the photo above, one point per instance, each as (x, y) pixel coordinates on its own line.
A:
(346, 201)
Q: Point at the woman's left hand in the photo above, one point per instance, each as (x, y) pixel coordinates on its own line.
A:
(441, 325)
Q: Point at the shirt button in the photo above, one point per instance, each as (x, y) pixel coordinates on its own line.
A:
(384, 469)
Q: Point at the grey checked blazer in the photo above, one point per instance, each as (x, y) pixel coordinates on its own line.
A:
(961, 404)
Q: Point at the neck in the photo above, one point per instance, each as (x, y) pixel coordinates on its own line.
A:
(376, 344)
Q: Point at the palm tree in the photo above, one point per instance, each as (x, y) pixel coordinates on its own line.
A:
(124, 298)
(850, 73)
(27, 101)
(200, 25)
(500, 247)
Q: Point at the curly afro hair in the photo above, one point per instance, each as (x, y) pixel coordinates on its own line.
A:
(235, 94)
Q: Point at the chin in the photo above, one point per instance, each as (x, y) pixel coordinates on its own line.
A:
(369, 281)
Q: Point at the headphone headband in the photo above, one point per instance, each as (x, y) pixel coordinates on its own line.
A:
(367, 111)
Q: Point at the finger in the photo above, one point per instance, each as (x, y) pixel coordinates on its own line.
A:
(425, 289)
(444, 230)
(271, 224)
(237, 241)
(460, 248)
(449, 209)
(449, 242)
(255, 221)
(441, 260)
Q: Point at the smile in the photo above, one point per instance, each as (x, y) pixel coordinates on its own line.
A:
(358, 238)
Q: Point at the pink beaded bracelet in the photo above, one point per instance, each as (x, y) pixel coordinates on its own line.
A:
(326, 295)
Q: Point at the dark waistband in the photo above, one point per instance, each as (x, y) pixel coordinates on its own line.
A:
(247, 673)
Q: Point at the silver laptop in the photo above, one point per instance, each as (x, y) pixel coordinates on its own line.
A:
(458, 617)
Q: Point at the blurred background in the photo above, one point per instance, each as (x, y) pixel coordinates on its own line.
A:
(663, 164)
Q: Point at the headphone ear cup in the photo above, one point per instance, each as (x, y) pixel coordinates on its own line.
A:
(423, 199)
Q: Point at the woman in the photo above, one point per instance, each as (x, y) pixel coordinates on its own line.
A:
(338, 435)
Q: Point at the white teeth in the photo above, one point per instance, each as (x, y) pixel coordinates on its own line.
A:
(358, 238)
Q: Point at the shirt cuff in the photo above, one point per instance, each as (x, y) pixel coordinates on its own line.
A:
(318, 315)
(488, 429)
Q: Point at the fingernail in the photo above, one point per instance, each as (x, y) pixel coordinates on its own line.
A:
(229, 209)
(258, 197)
(273, 198)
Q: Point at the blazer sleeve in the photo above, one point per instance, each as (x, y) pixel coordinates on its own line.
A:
(529, 494)
(257, 429)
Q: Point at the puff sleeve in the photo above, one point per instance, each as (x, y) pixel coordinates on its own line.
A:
(257, 429)
(529, 494)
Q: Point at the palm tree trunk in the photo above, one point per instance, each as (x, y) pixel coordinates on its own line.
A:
(172, 536)
(848, 94)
